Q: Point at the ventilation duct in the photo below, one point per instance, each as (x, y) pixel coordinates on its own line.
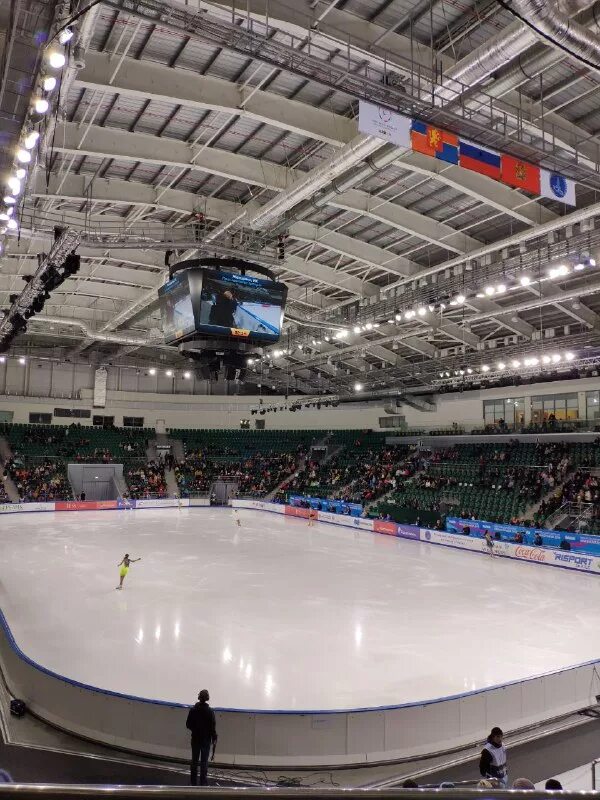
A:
(556, 29)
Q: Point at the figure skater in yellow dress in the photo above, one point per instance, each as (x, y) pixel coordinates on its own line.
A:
(125, 568)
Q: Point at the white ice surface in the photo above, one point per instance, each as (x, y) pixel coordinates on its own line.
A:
(276, 615)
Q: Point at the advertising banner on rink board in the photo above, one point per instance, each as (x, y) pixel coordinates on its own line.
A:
(14, 508)
(382, 526)
(259, 505)
(590, 545)
(162, 502)
(537, 555)
(85, 505)
(294, 511)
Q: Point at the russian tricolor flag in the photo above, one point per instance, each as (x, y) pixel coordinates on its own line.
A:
(479, 159)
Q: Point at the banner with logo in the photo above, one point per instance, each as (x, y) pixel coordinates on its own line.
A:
(383, 526)
(323, 504)
(15, 508)
(162, 502)
(85, 505)
(438, 143)
(387, 125)
(578, 541)
(537, 555)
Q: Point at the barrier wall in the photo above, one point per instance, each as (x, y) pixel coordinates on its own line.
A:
(579, 541)
(312, 737)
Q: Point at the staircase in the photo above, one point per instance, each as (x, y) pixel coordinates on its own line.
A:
(531, 510)
(172, 487)
(11, 490)
(7, 482)
(302, 466)
(120, 484)
(5, 451)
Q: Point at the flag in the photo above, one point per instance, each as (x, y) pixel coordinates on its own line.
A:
(434, 142)
(520, 174)
(479, 159)
(384, 124)
(557, 187)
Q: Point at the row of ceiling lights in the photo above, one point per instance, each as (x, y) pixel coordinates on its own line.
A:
(54, 59)
(547, 360)
(169, 373)
(421, 310)
(22, 360)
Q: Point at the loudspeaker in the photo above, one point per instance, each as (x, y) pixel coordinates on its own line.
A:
(18, 708)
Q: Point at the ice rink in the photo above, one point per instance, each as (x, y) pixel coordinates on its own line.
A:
(274, 615)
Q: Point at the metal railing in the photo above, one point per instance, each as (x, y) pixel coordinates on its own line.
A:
(60, 791)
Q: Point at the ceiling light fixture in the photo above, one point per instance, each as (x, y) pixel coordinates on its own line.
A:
(49, 83)
(56, 59)
(41, 105)
(31, 139)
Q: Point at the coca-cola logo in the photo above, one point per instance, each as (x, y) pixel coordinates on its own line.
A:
(530, 553)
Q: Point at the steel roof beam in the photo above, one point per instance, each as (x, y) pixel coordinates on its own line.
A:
(495, 311)
(157, 82)
(146, 148)
(169, 85)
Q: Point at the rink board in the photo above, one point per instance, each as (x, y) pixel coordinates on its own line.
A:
(307, 738)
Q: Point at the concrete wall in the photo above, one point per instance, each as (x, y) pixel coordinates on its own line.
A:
(41, 387)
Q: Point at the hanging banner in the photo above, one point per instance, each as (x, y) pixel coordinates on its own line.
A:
(384, 124)
(100, 379)
(434, 142)
(557, 187)
(520, 174)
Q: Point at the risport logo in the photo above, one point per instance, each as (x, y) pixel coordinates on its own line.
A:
(558, 184)
(577, 561)
(530, 553)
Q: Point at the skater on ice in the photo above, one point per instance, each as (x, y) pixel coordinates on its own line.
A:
(124, 564)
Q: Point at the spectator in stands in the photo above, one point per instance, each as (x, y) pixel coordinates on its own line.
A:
(493, 759)
(202, 725)
(552, 785)
(523, 783)
(537, 539)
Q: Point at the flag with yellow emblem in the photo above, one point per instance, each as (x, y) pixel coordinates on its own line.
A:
(434, 142)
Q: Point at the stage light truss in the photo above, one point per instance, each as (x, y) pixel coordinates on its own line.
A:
(297, 404)
(65, 244)
(523, 373)
(369, 77)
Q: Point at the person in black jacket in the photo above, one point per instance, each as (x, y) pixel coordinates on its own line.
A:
(492, 763)
(201, 723)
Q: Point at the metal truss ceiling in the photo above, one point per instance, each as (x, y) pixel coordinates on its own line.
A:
(229, 112)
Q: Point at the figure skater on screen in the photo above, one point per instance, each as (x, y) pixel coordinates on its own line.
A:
(237, 518)
(312, 516)
(489, 543)
(125, 568)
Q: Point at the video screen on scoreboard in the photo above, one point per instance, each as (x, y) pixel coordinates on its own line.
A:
(240, 306)
(176, 308)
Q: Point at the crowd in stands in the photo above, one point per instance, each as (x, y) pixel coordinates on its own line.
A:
(195, 474)
(40, 482)
(146, 481)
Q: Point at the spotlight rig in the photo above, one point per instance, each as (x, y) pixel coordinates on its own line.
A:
(61, 263)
